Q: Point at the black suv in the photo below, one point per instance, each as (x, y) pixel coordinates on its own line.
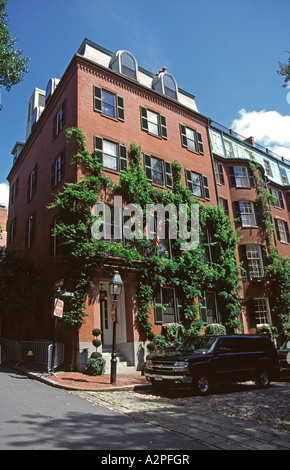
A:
(203, 361)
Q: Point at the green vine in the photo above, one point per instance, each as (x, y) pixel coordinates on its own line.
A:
(190, 272)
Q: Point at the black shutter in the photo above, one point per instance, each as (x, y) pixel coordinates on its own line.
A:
(54, 127)
(244, 261)
(277, 229)
(99, 147)
(163, 126)
(183, 135)
(63, 114)
(251, 313)
(251, 178)
(221, 173)
(264, 256)
(287, 232)
(52, 176)
(144, 121)
(188, 180)
(237, 212)
(123, 157)
(168, 174)
(257, 214)
(97, 99)
(205, 188)
(281, 199)
(232, 176)
(199, 143)
(120, 108)
(147, 166)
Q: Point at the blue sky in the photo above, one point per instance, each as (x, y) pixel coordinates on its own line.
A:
(224, 52)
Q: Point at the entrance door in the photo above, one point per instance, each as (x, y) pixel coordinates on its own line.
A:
(106, 322)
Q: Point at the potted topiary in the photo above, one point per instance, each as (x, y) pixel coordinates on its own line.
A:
(96, 364)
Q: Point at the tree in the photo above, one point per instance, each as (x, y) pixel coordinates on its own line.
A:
(284, 70)
(12, 63)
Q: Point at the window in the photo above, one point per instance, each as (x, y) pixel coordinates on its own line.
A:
(169, 84)
(57, 170)
(223, 203)
(282, 230)
(254, 259)
(245, 212)
(167, 307)
(108, 103)
(153, 123)
(12, 230)
(208, 308)
(110, 222)
(198, 184)
(128, 65)
(278, 198)
(31, 184)
(59, 120)
(158, 171)
(14, 190)
(219, 173)
(262, 311)
(30, 230)
(112, 155)
(284, 176)
(191, 139)
(267, 166)
(241, 177)
(229, 149)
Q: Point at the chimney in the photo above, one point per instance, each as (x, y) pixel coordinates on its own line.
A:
(250, 140)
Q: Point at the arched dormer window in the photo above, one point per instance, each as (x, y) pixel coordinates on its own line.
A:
(124, 62)
(165, 83)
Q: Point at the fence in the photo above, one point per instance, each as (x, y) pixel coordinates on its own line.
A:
(16, 351)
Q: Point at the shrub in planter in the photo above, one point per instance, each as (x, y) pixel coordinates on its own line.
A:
(215, 329)
(96, 364)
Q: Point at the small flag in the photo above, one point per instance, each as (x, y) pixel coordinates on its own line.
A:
(158, 230)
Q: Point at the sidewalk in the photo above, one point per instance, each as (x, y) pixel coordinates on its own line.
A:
(80, 381)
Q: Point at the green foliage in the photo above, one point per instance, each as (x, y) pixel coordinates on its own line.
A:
(12, 63)
(284, 70)
(188, 271)
(95, 366)
(215, 329)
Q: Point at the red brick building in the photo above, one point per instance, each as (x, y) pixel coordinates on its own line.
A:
(115, 102)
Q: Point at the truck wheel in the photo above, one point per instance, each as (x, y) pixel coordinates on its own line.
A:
(201, 384)
(262, 379)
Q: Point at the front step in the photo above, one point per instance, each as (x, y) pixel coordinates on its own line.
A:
(122, 365)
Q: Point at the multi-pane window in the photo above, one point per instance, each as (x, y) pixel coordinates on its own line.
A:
(253, 258)
(30, 230)
(223, 203)
(191, 139)
(167, 307)
(109, 222)
(31, 184)
(267, 166)
(108, 103)
(241, 177)
(229, 149)
(246, 213)
(59, 120)
(284, 175)
(208, 308)
(153, 123)
(158, 171)
(219, 173)
(198, 184)
(128, 65)
(57, 170)
(282, 230)
(278, 197)
(14, 190)
(12, 230)
(112, 155)
(262, 311)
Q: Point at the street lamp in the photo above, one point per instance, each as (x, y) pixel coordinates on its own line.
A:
(116, 284)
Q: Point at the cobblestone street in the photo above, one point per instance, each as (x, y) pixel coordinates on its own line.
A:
(238, 417)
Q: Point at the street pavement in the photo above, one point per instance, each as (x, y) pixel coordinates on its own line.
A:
(236, 417)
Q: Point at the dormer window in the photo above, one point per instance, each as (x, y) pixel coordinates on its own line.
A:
(124, 62)
(165, 83)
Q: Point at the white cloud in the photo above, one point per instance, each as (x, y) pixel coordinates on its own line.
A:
(269, 129)
(4, 194)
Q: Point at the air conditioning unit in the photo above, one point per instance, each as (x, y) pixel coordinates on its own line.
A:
(36, 105)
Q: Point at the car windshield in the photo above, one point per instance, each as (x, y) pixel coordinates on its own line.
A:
(197, 344)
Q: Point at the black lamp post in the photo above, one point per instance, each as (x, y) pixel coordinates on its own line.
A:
(116, 284)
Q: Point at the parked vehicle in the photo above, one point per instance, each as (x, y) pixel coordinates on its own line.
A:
(203, 361)
(284, 358)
